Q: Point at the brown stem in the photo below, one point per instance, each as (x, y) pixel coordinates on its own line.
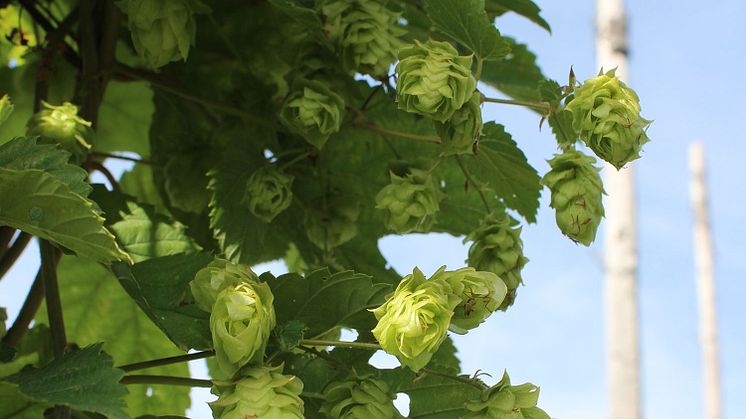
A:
(104, 171)
(165, 379)
(13, 253)
(6, 235)
(166, 361)
(470, 180)
(52, 295)
(116, 156)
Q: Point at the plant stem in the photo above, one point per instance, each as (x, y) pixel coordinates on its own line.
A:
(11, 255)
(116, 156)
(326, 357)
(478, 72)
(166, 361)
(296, 159)
(463, 380)
(165, 379)
(471, 181)
(545, 106)
(28, 311)
(405, 135)
(52, 295)
(340, 344)
(310, 395)
(107, 174)
(6, 235)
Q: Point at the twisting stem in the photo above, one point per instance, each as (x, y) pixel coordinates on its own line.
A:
(165, 379)
(463, 380)
(116, 156)
(6, 235)
(471, 181)
(104, 171)
(405, 135)
(11, 255)
(340, 344)
(166, 361)
(545, 106)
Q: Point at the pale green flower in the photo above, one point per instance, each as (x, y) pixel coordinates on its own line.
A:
(313, 111)
(459, 133)
(359, 398)
(262, 393)
(268, 193)
(410, 201)
(215, 277)
(481, 293)
(62, 125)
(333, 225)
(503, 401)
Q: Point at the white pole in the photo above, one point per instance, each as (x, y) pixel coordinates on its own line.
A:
(620, 252)
(703, 255)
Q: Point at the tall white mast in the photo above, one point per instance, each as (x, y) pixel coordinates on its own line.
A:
(620, 251)
(703, 255)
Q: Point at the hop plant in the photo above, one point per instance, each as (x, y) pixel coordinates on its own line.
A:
(503, 401)
(6, 108)
(365, 32)
(433, 79)
(359, 398)
(333, 225)
(215, 277)
(241, 321)
(576, 195)
(497, 247)
(312, 111)
(162, 30)
(458, 134)
(268, 193)
(62, 125)
(410, 201)
(606, 113)
(414, 320)
(263, 392)
(481, 294)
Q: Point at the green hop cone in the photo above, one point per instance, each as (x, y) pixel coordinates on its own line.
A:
(414, 320)
(458, 134)
(503, 401)
(359, 398)
(576, 195)
(62, 125)
(262, 392)
(333, 226)
(6, 108)
(241, 321)
(365, 31)
(410, 201)
(481, 293)
(606, 113)
(268, 193)
(497, 247)
(215, 277)
(313, 111)
(162, 30)
(433, 79)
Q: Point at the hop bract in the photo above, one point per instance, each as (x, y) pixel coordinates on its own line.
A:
(458, 134)
(359, 398)
(6, 108)
(606, 113)
(365, 31)
(503, 401)
(576, 195)
(481, 294)
(433, 79)
(162, 30)
(62, 125)
(313, 111)
(410, 201)
(334, 225)
(241, 321)
(414, 320)
(268, 193)
(497, 247)
(215, 277)
(263, 392)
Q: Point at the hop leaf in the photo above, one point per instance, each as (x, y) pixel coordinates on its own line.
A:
(268, 193)
(433, 79)
(410, 201)
(497, 247)
(365, 32)
(332, 224)
(215, 277)
(263, 392)
(503, 401)
(359, 397)
(606, 113)
(414, 320)
(162, 30)
(62, 125)
(6, 108)
(481, 294)
(458, 134)
(576, 195)
(313, 111)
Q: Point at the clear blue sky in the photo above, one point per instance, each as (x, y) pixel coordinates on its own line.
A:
(685, 58)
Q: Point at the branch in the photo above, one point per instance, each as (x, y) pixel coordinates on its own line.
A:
(11, 255)
(6, 235)
(339, 344)
(104, 171)
(165, 379)
(69, 53)
(463, 380)
(166, 361)
(116, 156)
(545, 106)
(394, 133)
(52, 294)
(470, 180)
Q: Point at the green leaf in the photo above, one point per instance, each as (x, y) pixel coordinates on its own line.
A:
(140, 231)
(45, 207)
(139, 183)
(560, 122)
(308, 300)
(84, 379)
(15, 405)
(504, 168)
(525, 8)
(124, 118)
(160, 286)
(96, 308)
(24, 153)
(289, 334)
(467, 23)
(516, 74)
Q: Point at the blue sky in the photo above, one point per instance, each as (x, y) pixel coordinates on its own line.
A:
(685, 58)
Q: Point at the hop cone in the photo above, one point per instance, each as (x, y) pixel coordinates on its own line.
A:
(458, 134)
(333, 226)
(366, 33)
(410, 201)
(6, 108)
(359, 398)
(497, 247)
(162, 30)
(268, 193)
(576, 195)
(503, 401)
(606, 113)
(241, 321)
(433, 79)
(263, 393)
(312, 111)
(414, 320)
(481, 294)
(215, 277)
(62, 125)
